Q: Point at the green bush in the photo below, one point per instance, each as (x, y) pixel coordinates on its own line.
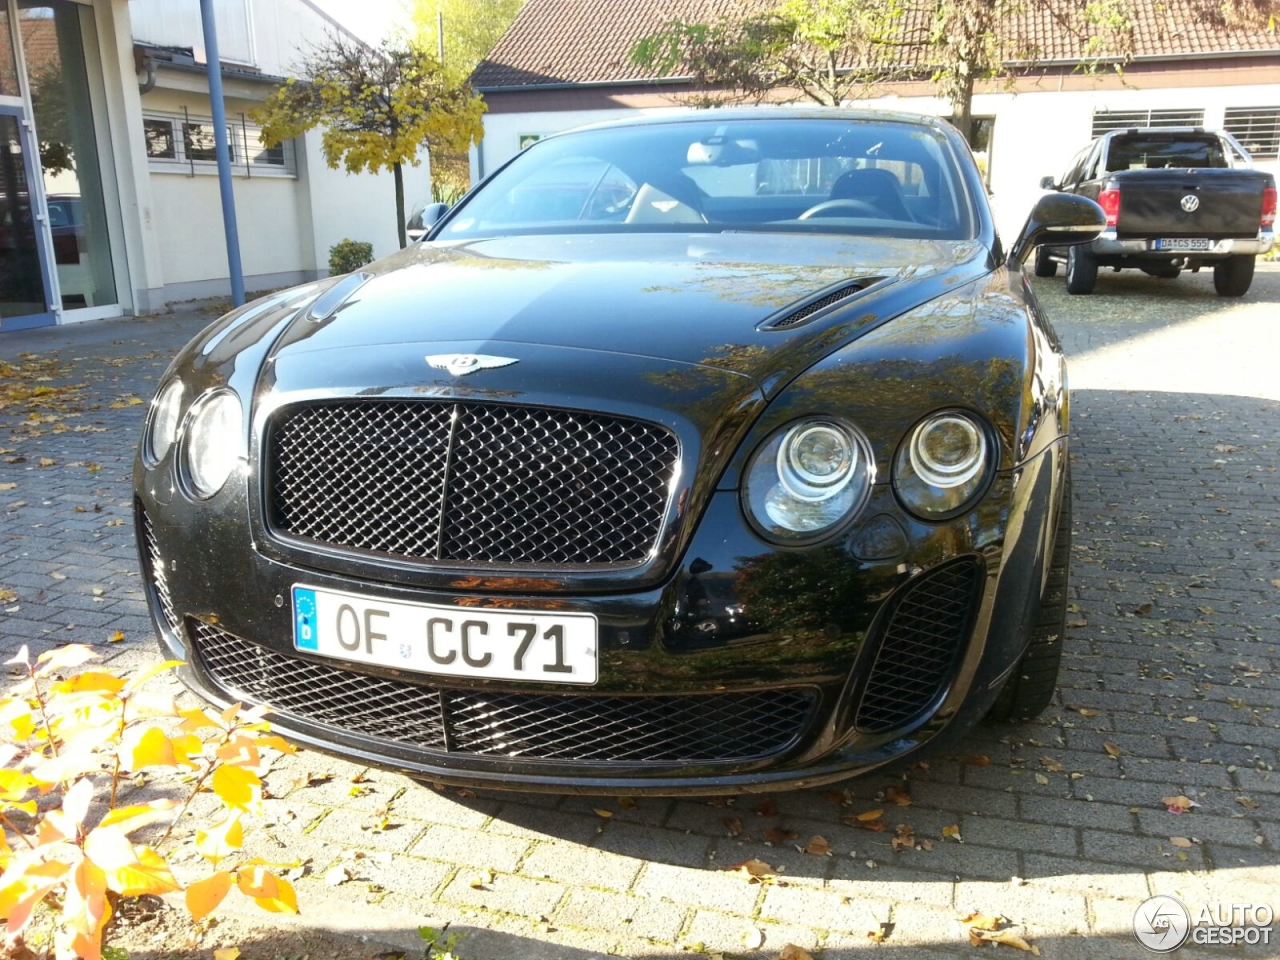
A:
(349, 255)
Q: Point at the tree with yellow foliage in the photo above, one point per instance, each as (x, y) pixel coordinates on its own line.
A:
(378, 105)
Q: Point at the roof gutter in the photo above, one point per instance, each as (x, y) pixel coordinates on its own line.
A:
(583, 84)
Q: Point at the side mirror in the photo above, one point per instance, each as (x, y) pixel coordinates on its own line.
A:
(1061, 219)
(1048, 183)
(432, 213)
(423, 219)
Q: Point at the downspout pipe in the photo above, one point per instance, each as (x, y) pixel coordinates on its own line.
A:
(222, 150)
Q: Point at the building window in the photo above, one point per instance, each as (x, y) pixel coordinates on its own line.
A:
(184, 143)
(1257, 129)
(197, 139)
(159, 136)
(1104, 121)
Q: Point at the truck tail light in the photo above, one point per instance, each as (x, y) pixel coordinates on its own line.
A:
(1268, 207)
(1109, 201)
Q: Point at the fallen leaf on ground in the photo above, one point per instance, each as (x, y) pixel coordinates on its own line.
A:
(601, 812)
(116, 637)
(1247, 802)
(1143, 609)
(980, 921)
(626, 803)
(753, 938)
(952, 831)
(766, 808)
(226, 953)
(818, 846)
(7, 596)
(1007, 937)
(906, 838)
(337, 875)
(979, 761)
(1042, 779)
(776, 835)
(8, 486)
(481, 880)
(870, 815)
(1180, 841)
(880, 933)
(1178, 804)
(733, 825)
(754, 871)
(1111, 748)
(898, 795)
(1053, 766)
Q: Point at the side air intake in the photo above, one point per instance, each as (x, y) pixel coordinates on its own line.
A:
(793, 317)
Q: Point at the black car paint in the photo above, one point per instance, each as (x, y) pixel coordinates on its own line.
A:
(945, 327)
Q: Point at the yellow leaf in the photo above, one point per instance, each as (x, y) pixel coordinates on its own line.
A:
(154, 670)
(1111, 748)
(871, 815)
(754, 871)
(152, 749)
(63, 658)
(222, 840)
(131, 818)
(91, 681)
(238, 788)
(272, 893)
(196, 719)
(601, 812)
(203, 896)
(952, 831)
(226, 953)
(116, 637)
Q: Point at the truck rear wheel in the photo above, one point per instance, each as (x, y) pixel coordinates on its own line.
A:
(1232, 276)
(1082, 270)
(1045, 267)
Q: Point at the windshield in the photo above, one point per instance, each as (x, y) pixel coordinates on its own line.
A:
(871, 178)
(1154, 152)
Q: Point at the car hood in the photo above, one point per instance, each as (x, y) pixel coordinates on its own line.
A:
(689, 298)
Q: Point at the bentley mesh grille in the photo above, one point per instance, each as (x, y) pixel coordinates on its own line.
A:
(155, 572)
(470, 482)
(570, 728)
(919, 646)
(809, 309)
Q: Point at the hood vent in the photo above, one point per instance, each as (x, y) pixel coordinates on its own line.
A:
(787, 320)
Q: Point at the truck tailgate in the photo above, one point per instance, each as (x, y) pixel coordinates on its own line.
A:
(1227, 203)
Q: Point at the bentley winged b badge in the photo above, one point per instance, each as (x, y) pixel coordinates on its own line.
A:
(461, 364)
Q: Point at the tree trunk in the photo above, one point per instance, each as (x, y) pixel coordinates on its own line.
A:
(962, 108)
(399, 178)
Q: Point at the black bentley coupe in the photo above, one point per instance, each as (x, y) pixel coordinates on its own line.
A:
(707, 453)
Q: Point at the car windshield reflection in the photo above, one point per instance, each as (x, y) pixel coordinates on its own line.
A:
(855, 177)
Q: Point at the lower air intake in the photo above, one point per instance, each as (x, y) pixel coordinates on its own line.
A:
(919, 646)
(569, 728)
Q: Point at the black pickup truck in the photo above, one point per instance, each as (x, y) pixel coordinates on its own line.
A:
(1176, 199)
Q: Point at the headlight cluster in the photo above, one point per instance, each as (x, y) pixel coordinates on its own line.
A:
(208, 436)
(810, 478)
(943, 465)
(807, 479)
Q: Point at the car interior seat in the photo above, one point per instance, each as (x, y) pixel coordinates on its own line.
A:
(879, 188)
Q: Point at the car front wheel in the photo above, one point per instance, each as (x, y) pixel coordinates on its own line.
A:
(1029, 689)
(1232, 276)
(1082, 270)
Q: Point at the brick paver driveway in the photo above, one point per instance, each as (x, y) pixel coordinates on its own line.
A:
(1171, 659)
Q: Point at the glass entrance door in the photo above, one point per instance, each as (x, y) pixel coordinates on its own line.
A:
(54, 35)
(24, 281)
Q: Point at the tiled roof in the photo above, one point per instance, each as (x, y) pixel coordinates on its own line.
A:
(590, 41)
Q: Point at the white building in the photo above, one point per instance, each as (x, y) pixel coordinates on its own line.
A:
(562, 64)
(109, 187)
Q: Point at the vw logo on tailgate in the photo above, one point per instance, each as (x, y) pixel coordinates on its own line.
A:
(1190, 203)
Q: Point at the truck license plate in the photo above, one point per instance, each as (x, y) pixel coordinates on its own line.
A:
(1183, 243)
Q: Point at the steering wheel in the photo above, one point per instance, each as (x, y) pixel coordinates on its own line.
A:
(825, 208)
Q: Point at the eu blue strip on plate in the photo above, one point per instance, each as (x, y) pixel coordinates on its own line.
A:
(304, 619)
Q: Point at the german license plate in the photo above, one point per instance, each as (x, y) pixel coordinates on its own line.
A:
(1183, 243)
(445, 640)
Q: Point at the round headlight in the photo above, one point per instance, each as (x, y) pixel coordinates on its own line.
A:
(166, 410)
(212, 442)
(943, 465)
(806, 480)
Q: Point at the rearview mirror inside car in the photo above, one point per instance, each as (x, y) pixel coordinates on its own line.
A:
(1048, 183)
